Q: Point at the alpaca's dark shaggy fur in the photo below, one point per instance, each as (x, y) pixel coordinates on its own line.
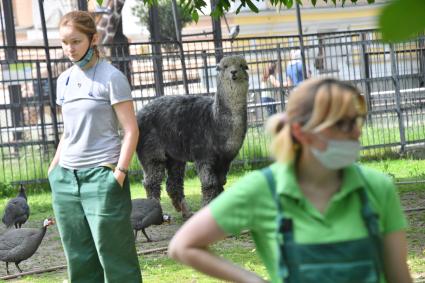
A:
(204, 130)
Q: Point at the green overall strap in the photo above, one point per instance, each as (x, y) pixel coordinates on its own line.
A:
(371, 220)
(280, 219)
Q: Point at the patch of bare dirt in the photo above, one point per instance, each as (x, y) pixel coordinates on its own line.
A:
(50, 252)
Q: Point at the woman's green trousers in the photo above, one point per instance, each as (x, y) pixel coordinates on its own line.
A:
(93, 216)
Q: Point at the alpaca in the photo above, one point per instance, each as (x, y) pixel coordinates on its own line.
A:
(204, 130)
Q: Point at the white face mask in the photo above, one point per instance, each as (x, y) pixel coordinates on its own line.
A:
(338, 154)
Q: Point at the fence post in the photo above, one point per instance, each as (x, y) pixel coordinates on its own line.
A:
(184, 69)
(120, 52)
(396, 82)
(279, 69)
(14, 88)
(365, 71)
(156, 50)
(421, 57)
(207, 78)
(176, 18)
(301, 39)
(40, 92)
(49, 73)
(82, 5)
(218, 40)
(17, 111)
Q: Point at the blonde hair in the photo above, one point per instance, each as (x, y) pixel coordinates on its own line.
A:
(83, 22)
(315, 104)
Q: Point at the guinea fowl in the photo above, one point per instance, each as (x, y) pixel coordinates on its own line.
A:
(20, 244)
(144, 213)
(17, 210)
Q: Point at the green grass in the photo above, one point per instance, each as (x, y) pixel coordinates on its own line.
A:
(31, 163)
(387, 132)
(400, 168)
(159, 269)
(417, 264)
(255, 145)
(416, 235)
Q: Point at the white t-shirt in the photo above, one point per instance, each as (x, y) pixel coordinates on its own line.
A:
(91, 136)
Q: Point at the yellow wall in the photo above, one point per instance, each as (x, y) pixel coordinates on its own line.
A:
(306, 15)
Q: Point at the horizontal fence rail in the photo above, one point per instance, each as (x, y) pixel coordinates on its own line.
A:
(391, 77)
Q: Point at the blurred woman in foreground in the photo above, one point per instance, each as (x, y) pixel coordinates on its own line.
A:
(314, 215)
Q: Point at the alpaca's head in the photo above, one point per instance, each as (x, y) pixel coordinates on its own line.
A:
(232, 82)
(233, 68)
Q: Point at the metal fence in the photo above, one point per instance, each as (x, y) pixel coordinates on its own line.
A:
(391, 76)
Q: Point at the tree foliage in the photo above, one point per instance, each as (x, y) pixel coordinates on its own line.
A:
(399, 20)
(166, 26)
(402, 19)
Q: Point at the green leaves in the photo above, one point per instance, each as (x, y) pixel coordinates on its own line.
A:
(399, 20)
(289, 3)
(99, 2)
(191, 7)
(195, 16)
(402, 19)
(252, 6)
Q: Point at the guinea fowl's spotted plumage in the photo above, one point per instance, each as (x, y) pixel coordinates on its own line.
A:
(144, 213)
(17, 210)
(20, 244)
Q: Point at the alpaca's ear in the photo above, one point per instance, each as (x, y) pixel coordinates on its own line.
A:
(218, 68)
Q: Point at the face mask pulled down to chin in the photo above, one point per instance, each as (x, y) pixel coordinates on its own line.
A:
(85, 59)
(338, 154)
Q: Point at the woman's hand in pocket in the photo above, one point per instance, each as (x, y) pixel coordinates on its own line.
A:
(119, 176)
(51, 167)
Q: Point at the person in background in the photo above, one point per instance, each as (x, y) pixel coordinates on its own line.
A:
(269, 81)
(88, 174)
(294, 70)
(314, 215)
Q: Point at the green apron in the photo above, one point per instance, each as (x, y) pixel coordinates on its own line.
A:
(353, 261)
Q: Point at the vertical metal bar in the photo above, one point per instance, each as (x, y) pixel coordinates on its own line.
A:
(184, 70)
(156, 50)
(364, 71)
(421, 56)
(11, 57)
(10, 30)
(176, 18)
(120, 51)
(207, 78)
(52, 94)
(396, 82)
(3, 29)
(301, 39)
(216, 27)
(280, 75)
(40, 92)
(17, 110)
(82, 5)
